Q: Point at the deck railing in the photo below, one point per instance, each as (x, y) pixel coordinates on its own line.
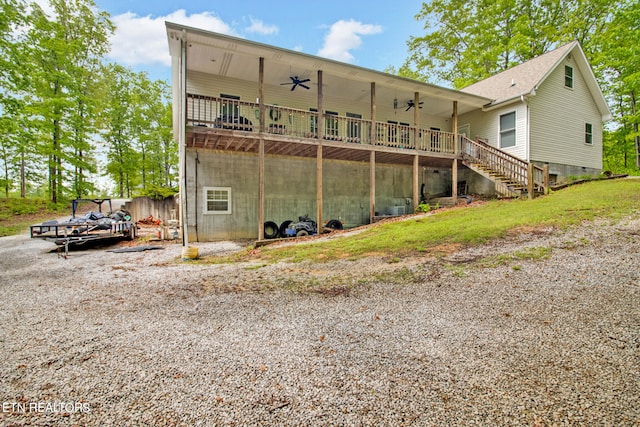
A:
(505, 165)
(240, 115)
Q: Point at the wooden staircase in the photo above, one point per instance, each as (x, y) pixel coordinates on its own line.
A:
(512, 176)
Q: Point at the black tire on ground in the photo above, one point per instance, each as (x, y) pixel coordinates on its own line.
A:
(334, 224)
(283, 228)
(302, 233)
(270, 230)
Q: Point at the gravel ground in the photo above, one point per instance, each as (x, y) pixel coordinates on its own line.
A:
(541, 328)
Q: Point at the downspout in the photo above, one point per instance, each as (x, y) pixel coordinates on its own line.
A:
(182, 139)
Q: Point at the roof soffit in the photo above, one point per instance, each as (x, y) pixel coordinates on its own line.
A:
(218, 54)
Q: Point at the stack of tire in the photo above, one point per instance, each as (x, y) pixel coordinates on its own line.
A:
(272, 230)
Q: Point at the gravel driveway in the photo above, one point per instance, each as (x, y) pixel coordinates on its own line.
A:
(541, 328)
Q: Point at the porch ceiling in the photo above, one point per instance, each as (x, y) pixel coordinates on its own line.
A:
(218, 54)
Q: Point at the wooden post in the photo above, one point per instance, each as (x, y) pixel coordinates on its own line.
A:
(545, 172)
(372, 131)
(372, 186)
(416, 193)
(320, 108)
(261, 189)
(416, 119)
(319, 188)
(261, 94)
(530, 181)
(261, 150)
(454, 166)
(454, 181)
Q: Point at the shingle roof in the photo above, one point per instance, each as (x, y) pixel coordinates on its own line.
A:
(521, 79)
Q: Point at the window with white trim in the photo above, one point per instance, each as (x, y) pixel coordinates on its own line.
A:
(217, 200)
(568, 76)
(508, 130)
(588, 133)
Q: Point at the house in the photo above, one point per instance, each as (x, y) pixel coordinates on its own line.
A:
(549, 111)
(269, 134)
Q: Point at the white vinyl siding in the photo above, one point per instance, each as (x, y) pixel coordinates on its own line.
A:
(487, 125)
(558, 118)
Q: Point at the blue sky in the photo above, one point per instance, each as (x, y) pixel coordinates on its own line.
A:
(371, 34)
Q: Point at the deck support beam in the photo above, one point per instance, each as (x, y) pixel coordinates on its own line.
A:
(416, 194)
(319, 198)
(372, 186)
(261, 190)
(372, 131)
(454, 166)
(416, 119)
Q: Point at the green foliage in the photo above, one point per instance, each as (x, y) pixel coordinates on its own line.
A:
(467, 41)
(159, 193)
(57, 98)
(423, 207)
(16, 214)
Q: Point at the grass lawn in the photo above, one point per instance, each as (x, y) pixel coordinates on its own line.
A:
(17, 214)
(611, 199)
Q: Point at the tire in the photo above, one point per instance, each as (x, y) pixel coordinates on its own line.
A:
(302, 233)
(270, 230)
(334, 224)
(283, 228)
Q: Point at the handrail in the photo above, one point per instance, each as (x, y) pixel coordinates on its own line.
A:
(208, 111)
(512, 168)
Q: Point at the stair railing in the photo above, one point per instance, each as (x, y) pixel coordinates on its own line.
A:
(503, 164)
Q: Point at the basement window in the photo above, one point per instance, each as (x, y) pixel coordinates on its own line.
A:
(217, 200)
(588, 133)
(508, 130)
(568, 76)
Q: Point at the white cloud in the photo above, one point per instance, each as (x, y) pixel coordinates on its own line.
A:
(257, 26)
(143, 39)
(344, 36)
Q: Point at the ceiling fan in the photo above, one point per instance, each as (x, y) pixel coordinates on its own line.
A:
(295, 82)
(411, 104)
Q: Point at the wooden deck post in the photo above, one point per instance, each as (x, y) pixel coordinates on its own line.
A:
(416, 193)
(261, 189)
(261, 151)
(530, 181)
(545, 179)
(372, 186)
(372, 131)
(454, 166)
(320, 108)
(261, 94)
(416, 120)
(319, 199)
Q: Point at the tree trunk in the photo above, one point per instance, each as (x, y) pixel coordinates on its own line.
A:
(635, 129)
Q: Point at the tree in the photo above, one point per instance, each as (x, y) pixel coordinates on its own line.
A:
(617, 63)
(137, 130)
(467, 41)
(11, 19)
(64, 55)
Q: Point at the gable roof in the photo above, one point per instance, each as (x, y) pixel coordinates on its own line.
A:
(524, 79)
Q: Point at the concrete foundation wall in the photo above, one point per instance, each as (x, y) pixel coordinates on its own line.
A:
(290, 191)
(559, 174)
